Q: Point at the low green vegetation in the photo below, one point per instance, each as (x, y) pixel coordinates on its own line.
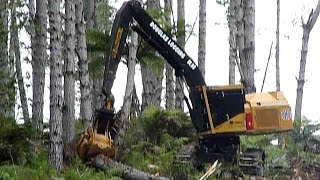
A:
(152, 142)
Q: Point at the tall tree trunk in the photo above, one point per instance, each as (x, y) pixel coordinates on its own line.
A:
(39, 59)
(96, 91)
(89, 15)
(181, 41)
(151, 78)
(232, 23)
(31, 31)
(11, 71)
(278, 47)
(202, 38)
(245, 15)
(247, 64)
(90, 18)
(15, 48)
(127, 100)
(168, 68)
(6, 82)
(81, 49)
(307, 27)
(56, 99)
(69, 74)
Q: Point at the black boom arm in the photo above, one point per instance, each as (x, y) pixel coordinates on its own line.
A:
(132, 15)
(152, 33)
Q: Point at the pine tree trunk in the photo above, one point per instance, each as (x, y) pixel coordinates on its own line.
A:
(39, 59)
(278, 47)
(15, 48)
(202, 38)
(31, 31)
(89, 15)
(11, 69)
(69, 74)
(151, 79)
(127, 100)
(232, 41)
(97, 98)
(81, 49)
(181, 41)
(168, 68)
(152, 87)
(247, 64)
(245, 14)
(307, 27)
(96, 91)
(56, 99)
(5, 80)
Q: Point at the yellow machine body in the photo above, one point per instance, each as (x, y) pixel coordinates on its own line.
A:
(270, 112)
(265, 112)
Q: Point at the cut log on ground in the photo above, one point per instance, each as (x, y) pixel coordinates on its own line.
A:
(128, 172)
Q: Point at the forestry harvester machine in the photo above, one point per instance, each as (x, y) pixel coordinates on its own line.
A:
(219, 114)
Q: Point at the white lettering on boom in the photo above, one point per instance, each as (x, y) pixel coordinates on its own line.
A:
(166, 38)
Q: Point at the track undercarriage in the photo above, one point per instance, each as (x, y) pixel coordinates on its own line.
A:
(225, 150)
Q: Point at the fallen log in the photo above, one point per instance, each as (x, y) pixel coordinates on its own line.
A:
(128, 172)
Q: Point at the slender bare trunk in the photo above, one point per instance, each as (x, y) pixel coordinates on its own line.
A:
(5, 80)
(15, 48)
(202, 38)
(56, 99)
(97, 98)
(168, 68)
(179, 102)
(232, 41)
(31, 31)
(307, 27)
(127, 100)
(69, 74)
(39, 60)
(278, 47)
(81, 49)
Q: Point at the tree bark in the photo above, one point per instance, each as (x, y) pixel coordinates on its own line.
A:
(97, 98)
(152, 78)
(128, 172)
(56, 99)
(124, 122)
(39, 59)
(89, 15)
(202, 38)
(81, 49)
(278, 47)
(15, 48)
(168, 68)
(245, 14)
(179, 102)
(307, 27)
(232, 23)
(152, 87)
(247, 64)
(6, 80)
(69, 74)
